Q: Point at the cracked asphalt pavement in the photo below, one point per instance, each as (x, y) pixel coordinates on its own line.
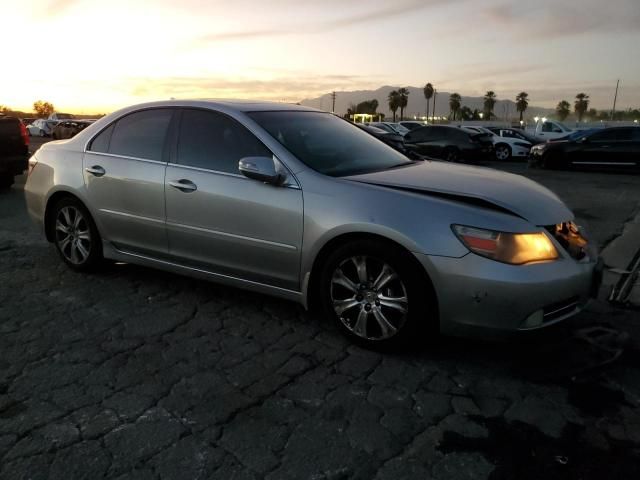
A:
(135, 373)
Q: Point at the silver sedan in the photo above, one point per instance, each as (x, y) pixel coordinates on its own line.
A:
(298, 203)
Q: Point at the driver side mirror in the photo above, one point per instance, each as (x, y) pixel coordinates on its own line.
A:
(260, 168)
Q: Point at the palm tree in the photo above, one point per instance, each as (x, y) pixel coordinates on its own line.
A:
(394, 102)
(563, 110)
(403, 95)
(454, 103)
(428, 93)
(581, 104)
(522, 102)
(489, 103)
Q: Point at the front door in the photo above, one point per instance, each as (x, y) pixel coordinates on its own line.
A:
(124, 173)
(221, 221)
(606, 147)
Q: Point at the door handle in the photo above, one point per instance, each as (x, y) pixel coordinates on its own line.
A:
(184, 185)
(605, 146)
(96, 170)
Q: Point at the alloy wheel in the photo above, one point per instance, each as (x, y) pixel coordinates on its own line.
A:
(369, 298)
(502, 152)
(73, 235)
(452, 156)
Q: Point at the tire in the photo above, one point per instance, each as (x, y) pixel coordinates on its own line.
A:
(451, 155)
(378, 295)
(6, 181)
(77, 240)
(43, 133)
(503, 152)
(554, 162)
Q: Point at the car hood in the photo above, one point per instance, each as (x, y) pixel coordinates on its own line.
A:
(476, 185)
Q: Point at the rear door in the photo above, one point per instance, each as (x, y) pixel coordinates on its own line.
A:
(607, 147)
(11, 141)
(218, 219)
(124, 168)
(634, 149)
(425, 140)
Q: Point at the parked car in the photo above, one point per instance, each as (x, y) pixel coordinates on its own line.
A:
(550, 129)
(68, 129)
(576, 134)
(57, 116)
(14, 149)
(394, 140)
(617, 147)
(297, 203)
(28, 121)
(450, 143)
(390, 127)
(504, 148)
(41, 127)
(411, 125)
(518, 133)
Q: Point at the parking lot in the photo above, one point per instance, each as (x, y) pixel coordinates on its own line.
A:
(134, 373)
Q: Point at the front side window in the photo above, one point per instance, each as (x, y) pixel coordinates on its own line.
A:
(215, 141)
(611, 135)
(328, 144)
(141, 134)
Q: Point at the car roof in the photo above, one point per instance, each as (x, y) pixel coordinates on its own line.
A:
(239, 105)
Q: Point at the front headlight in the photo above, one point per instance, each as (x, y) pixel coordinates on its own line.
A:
(541, 147)
(512, 248)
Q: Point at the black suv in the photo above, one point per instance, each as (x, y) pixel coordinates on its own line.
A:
(613, 147)
(14, 149)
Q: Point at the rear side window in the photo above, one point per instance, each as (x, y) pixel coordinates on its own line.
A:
(9, 126)
(464, 136)
(101, 142)
(140, 134)
(635, 134)
(216, 142)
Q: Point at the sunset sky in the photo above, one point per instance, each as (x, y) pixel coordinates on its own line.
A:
(96, 56)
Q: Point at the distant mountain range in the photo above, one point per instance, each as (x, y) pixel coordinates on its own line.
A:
(417, 103)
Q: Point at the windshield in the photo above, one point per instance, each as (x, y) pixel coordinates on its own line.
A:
(400, 129)
(328, 144)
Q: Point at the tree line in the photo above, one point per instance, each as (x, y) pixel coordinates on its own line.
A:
(40, 109)
(398, 100)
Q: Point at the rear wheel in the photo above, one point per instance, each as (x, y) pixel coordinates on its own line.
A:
(503, 152)
(452, 155)
(76, 236)
(43, 133)
(377, 295)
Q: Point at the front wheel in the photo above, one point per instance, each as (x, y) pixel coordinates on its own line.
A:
(503, 153)
(76, 236)
(377, 294)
